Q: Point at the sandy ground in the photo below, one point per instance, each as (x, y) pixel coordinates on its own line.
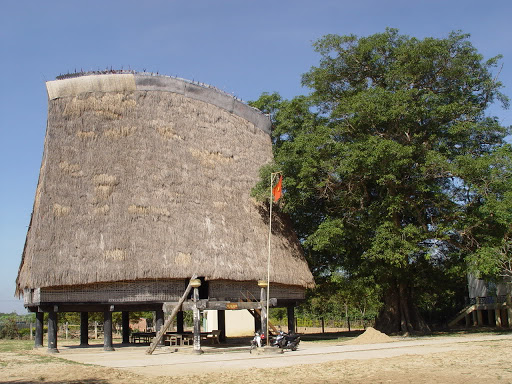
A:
(460, 359)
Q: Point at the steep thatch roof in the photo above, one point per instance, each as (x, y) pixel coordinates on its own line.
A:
(149, 177)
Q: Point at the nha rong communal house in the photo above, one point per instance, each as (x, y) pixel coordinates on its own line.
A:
(145, 180)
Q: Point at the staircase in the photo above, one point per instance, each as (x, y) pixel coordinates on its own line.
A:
(249, 297)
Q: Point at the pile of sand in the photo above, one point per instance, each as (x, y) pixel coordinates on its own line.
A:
(370, 336)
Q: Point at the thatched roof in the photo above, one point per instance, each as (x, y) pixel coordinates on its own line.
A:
(148, 177)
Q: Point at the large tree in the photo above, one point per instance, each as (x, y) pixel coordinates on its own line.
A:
(382, 162)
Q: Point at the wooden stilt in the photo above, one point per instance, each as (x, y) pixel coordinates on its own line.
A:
(263, 300)
(221, 325)
(197, 324)
(290, 311)
(52, 332)
(84, 329)
(159, 323)
(125, 319)
(479, 316)
(38, 339)
(257, 322)
(180, 322)
(107, 331)
(497, 315)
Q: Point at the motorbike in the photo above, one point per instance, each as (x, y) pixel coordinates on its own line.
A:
(286, 341)
(258, 341)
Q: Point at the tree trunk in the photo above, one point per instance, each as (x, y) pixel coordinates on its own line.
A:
(400, 315)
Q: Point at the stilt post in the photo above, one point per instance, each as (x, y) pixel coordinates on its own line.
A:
(125, 319)
(196, 283)
(290, 311)
(180, 322)
(38, 339)
(263, 300)
(159, 323)
(107, 331)
(84, 329)
(52, 332)
(221, 325)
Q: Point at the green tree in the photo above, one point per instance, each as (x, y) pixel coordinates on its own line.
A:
(488, 216)
(380, 164)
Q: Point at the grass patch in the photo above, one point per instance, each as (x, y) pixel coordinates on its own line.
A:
(472, 331)
(16, 345)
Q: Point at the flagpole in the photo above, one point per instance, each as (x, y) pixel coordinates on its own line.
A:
(272, 176)
(268, 258)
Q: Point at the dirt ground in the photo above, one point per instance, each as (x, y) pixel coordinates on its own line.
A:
(465, 358)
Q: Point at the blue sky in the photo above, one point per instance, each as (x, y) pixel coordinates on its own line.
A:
(242, 47)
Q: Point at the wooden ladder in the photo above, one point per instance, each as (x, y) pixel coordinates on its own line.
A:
(249, 297)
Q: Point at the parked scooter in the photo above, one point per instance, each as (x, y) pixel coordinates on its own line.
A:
(286, 341)
(258, 341)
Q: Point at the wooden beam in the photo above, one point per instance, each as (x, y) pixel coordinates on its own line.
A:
(173, 314)
(218, 305)
(461, 314)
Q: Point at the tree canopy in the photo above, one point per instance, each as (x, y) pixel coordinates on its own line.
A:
(392, 170)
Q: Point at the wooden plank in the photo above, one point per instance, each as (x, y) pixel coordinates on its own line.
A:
(461, 314)
(219, 305)
(167, 323)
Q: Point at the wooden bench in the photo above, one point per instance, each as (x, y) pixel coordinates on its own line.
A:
(142, 337)
(214, 336)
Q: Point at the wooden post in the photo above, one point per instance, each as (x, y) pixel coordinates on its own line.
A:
(107, 331)
(221, 325)
(479, 317)
(31, 332)
(84, 329)
(66, 329)
(323, 325)
(197, 324)
(52, 332)
(490, 317)
(257, 322)
(125, 319)
(290, 311)
(159, 322)
(38, 340)
(96, 330)
(263, 300)
(497, 316)
(474, 314)
(180, 322)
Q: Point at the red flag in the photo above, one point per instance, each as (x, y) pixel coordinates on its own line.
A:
(278, 189)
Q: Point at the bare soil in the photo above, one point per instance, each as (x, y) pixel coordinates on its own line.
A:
(372, 358)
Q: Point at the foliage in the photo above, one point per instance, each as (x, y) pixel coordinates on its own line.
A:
(9, 329)
(392, 171)
(337, 296)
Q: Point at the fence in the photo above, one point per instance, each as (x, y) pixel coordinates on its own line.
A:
(309, 325)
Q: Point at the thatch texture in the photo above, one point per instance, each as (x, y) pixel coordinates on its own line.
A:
(150, 184)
